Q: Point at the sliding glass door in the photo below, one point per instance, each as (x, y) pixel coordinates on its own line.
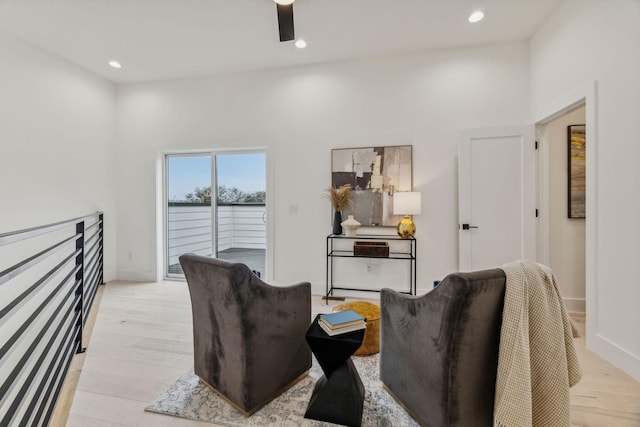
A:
(216, 207)
(240, 209)
(189, 209)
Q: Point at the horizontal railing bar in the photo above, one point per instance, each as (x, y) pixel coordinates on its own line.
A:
(59, 375)
(87, 297)
(100, 271)
(27, 233)
(208, 227)
(15, 270)
(92, 288)
(93, 246)
(96, 268)
(10, 381)
(91, 240)
(18, 236)
(22, 298)
(90, 245)
(65, 345)
(88, 263)
(90, 276)
(88, 239)
(65, 351)
(90, 255)
(92, 269)
(28, 384)
(92, 282)
(89, 301)
(44, 322)
(9, 343)
(191, 243)
(95, 224)
(96, 277)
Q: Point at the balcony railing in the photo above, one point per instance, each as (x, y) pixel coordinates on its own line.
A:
(240, 226)
(48, 279)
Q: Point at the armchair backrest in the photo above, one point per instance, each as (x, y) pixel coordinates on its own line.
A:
(439, 351)
(248, 335)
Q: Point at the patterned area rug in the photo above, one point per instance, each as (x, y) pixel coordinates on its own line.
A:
(188, 398)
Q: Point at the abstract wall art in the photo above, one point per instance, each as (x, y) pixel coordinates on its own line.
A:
(374, 173)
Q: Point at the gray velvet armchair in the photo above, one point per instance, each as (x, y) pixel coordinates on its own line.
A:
(249, 337)
(439, 351)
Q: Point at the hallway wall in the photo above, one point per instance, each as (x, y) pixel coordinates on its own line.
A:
(566, 235)
(583, 42)
(57, 142)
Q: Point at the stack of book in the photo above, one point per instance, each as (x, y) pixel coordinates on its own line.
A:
(342, 322)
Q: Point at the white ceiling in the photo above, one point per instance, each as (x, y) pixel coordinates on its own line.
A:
(174, 39)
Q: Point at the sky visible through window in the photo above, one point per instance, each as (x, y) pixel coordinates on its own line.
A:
(245, 172)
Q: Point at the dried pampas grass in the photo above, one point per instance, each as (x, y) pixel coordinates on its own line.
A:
(340, 197)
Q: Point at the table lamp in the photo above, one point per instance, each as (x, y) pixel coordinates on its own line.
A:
(406, 203)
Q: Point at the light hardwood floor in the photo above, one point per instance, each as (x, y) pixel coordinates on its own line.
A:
(141, 343)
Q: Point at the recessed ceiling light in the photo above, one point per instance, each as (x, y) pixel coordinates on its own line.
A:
(476, 16)
(284, 2)
(300, 44)
(115, 64)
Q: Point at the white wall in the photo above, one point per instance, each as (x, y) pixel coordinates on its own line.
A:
(583, 41)
(57, 130)
(298, 115)
(566, 235)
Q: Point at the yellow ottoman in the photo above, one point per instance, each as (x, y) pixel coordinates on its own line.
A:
(371, 312)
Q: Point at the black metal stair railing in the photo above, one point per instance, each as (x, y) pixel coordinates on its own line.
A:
(49, 276)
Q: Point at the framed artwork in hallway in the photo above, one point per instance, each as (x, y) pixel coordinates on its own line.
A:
(576, 144)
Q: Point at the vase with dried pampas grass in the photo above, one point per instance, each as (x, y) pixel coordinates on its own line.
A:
(340, 198)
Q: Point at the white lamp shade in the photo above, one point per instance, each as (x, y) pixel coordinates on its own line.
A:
(407, 203)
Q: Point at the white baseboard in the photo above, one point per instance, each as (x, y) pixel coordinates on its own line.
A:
(136, 276)
(109, 275)
(575, 305)
(619, 357)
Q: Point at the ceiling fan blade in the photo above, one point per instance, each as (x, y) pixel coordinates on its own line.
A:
(285, 22)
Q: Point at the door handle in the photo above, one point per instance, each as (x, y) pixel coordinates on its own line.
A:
(467, 226)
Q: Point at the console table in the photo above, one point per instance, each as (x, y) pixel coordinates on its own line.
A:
(401, 255)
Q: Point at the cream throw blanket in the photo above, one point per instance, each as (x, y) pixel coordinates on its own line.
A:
(537, 362)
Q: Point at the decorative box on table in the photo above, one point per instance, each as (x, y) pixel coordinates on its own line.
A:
(371, 249)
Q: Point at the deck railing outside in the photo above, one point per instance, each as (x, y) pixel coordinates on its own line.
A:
(240, 226)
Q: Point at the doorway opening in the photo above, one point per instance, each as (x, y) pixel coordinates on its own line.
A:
(215, 206)
(565, 237)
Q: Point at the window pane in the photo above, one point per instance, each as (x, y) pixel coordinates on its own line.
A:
(189, 210)
(241, 213)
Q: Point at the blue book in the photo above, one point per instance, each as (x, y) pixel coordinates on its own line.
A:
(341, 319)
(342, 330)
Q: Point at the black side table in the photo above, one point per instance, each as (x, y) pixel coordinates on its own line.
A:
(338, 396)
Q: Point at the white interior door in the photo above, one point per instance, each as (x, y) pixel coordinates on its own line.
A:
(497, 212)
